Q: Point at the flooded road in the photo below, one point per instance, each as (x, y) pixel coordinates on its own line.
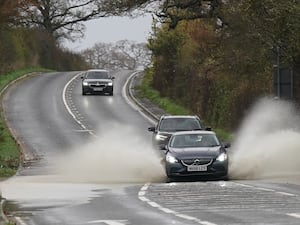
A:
(90, 161)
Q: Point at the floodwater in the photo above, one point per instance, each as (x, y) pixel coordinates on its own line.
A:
(267, 146)
(115, 160)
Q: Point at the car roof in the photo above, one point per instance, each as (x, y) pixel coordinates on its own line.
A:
(179, 116)
(194, 132)
(97, 70)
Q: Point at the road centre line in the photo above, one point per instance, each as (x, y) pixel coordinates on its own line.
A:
(69, 109)
(109, 222)
(153, 204)
(285, 193)
(296, 215)
(266, 189)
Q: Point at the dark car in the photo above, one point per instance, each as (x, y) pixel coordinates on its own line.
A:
(169, 124)
(97, 81)
(196, 154)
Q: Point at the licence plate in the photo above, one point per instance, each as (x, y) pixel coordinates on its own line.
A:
(98, 89)
(196, 168)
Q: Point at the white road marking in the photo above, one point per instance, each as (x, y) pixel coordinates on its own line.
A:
(20, 221)
(169, 211)
(142, 193)
(84, 131)
(266, 189)
(285, 193)
(144, 199)
(69, 109)
(145, 187)
(153, 204)
(131, 103)
(109, 222)
(296, 215)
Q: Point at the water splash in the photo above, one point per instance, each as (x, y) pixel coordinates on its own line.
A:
(268, 143)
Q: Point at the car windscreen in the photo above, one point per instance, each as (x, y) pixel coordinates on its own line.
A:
(194, 141)
(97, 75)
(179, 124)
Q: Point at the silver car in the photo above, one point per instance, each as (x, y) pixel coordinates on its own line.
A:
(97, 81)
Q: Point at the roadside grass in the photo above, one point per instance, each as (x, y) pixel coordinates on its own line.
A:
(9, 149)
(146, 91)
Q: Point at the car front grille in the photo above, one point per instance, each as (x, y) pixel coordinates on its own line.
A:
(197, 161)
(98, 84)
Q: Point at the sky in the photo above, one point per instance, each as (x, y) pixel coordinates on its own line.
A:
(113, 29)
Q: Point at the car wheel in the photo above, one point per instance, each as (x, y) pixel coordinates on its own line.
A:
(225, 178)
(170, 179)
(111, 93)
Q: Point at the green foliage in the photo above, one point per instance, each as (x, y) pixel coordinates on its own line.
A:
(146, 91)
(167, 43)
(166, 47)
(33, 48)
(218, 72)
(10, 76)
(224, 135)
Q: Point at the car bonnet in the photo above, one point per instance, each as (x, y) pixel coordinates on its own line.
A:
(98, 80)
(205, 152)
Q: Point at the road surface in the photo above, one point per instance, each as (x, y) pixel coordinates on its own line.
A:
(89, 161)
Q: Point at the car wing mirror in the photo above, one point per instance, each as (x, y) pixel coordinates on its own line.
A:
(151, 129)
(163, 147)
(208, 128)
(226, 145)
(112, 78)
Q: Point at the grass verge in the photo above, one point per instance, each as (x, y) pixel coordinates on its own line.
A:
(146, 91)
(9, 150)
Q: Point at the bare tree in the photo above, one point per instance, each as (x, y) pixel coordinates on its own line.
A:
(99, 56)
(123, 54)
(169, 11)
(63, 19)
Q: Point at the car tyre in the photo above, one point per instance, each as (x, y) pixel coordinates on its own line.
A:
(225, 178)
(170, 179)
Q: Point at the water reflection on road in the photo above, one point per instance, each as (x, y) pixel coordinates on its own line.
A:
(48, 191)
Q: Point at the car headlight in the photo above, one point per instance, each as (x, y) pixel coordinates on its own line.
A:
(171, 159)
(160, 137)
(222, 157)
(85, 83)
(110, 84)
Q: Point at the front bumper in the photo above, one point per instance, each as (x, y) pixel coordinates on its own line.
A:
(216, 169)
(102, 89)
